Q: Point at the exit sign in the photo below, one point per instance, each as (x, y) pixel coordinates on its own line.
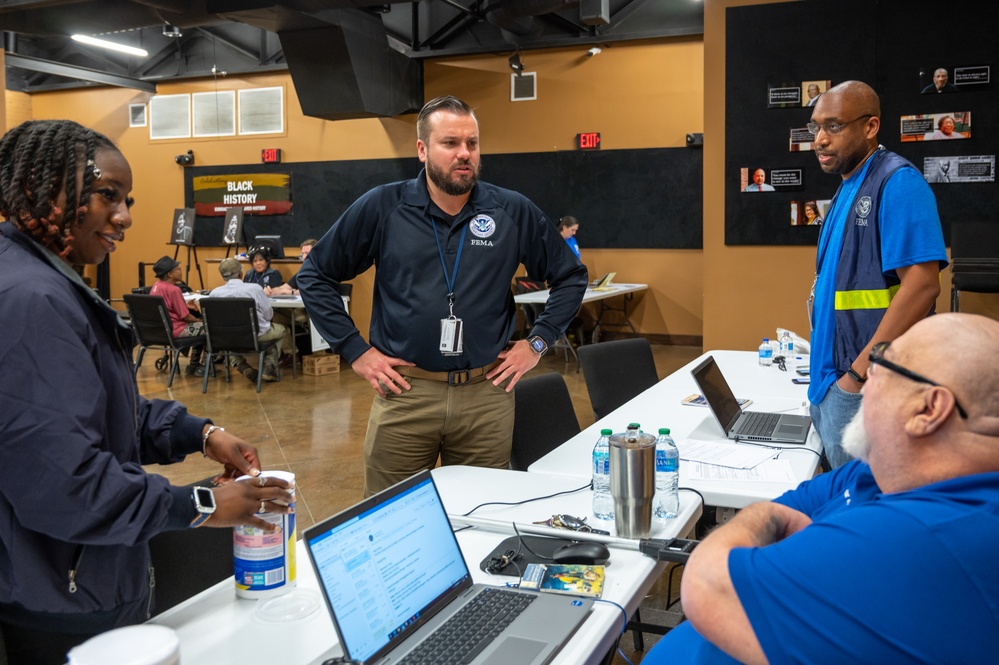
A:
(270, 155)
(588, 141)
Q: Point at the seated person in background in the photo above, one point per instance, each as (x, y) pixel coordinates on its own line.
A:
(262, 273)
(235, 287)
(291, 286)
(568, 226)
(834, 571)
(185, 323)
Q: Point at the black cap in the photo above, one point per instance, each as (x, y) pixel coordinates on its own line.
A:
(163, 267)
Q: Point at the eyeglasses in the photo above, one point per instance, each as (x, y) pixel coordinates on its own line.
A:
(834, 128)
(877, 357)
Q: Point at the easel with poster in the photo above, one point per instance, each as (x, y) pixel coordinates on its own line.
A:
(232, 233)
(182, 235)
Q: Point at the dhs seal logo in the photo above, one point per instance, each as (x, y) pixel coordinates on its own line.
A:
(863, 209)
(482, 226)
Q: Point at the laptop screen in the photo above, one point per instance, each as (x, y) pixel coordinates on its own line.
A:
(717, 393)
(387, 565)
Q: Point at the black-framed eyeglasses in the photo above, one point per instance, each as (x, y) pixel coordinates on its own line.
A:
(834, 128)
(877, 357)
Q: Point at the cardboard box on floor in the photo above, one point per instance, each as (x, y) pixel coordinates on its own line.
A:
(320, 364)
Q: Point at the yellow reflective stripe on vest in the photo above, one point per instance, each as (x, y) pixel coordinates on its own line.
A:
(866, 299)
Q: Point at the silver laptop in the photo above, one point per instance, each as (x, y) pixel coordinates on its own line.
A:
(393, 576)
(746, 425)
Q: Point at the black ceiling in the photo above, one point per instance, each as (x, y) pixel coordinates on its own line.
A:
(219, 37)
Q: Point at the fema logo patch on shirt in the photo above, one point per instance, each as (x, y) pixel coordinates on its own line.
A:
(863, 209)
(482, 226)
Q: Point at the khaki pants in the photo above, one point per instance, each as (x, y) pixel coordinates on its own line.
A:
(271, 355)
(468, 424)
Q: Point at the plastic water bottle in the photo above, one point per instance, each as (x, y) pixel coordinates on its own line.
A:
(603, 502)
(667, 501)
(786, 345)
(766, 353)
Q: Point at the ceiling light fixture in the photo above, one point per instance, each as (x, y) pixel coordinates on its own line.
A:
(93, 41)
(172, 31)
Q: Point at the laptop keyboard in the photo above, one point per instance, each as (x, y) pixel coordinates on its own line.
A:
(465, 635)
(758, 424)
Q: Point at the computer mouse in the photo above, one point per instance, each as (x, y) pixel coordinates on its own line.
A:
(588, 552)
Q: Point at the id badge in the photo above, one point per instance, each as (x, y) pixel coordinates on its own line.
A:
(452, 335)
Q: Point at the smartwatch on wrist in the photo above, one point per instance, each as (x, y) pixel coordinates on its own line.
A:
(856, 377)
(538, 344)
(204, 503)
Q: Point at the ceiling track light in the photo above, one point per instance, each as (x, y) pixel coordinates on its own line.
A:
(515, 64)
(103, 43)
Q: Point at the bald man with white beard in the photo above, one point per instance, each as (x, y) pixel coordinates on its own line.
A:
(840, 570)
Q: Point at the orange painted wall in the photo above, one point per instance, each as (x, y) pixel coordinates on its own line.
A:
(643, 94)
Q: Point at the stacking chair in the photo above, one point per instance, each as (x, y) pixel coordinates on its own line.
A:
(231, 326)
(974, 263)
(153, 329)
(617, 371)
(543, 418)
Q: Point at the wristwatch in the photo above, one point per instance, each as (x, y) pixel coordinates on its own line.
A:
(856, 377)
(204, 503)
(538, 344)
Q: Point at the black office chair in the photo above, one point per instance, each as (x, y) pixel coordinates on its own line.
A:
(188, 561)
(231, 326)
(151, 322)
(617, 371)
(974, 262)
(543, 419)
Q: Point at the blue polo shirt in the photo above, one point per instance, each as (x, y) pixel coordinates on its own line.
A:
(910, 234)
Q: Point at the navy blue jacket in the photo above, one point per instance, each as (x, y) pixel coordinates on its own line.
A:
(392, 228)
(74, 432)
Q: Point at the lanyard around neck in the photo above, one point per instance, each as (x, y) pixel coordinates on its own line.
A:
(454, 272)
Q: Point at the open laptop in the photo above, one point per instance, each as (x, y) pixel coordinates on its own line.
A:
(747, 425)
(604, 282)
(392, 575)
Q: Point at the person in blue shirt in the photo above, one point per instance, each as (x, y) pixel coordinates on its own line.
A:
(880, 253)
(840, 570)
(567, 226)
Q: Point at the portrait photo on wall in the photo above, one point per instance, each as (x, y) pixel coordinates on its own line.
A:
(808, 213)
(963, 168)
(182, 231)
(939, 79)
(936, 126)
(812, 90)
(759, 179)
(232, 232)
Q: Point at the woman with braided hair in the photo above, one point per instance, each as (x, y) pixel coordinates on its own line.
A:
(76, 507)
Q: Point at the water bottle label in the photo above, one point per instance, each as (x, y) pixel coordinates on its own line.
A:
(668, 465)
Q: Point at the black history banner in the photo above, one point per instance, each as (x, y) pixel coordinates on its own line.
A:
(255, 193)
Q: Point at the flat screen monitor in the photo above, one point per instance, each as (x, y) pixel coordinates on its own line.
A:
(271, 242)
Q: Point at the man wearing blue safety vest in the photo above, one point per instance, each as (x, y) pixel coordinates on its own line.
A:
(879, 256)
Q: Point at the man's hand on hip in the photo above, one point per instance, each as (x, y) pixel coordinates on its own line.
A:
(515, 362)
(378, 369)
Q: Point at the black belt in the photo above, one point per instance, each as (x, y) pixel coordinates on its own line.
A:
(456, 377)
